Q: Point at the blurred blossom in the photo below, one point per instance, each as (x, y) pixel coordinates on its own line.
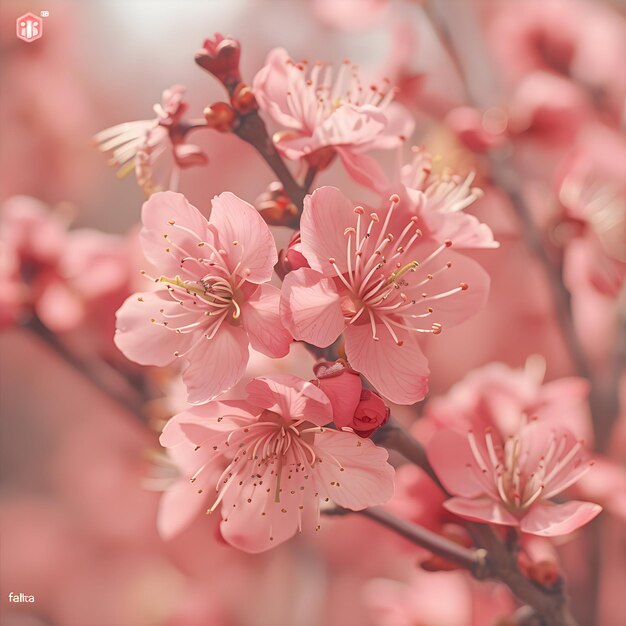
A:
(63, 275)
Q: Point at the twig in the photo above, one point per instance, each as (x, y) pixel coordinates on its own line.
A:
(395, 436)
(109, 382)
(473, 560)
(252, 130)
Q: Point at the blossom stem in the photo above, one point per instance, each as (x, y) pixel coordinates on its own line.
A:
(472, 560)
(99, 373)
(394, 436)
(252, 130)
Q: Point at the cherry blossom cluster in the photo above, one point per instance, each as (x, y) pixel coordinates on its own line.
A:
(363, 283)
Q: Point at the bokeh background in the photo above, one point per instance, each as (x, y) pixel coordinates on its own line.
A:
(80, 476)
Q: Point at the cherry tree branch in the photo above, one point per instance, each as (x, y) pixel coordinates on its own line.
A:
(100, 374)
(252, 130)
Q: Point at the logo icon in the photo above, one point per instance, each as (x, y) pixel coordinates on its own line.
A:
(29, 27)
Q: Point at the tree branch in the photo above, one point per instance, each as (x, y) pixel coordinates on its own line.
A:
(252, 130)
(103, 377)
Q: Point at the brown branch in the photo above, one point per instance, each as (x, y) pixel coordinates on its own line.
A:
(103, 377)
(394, 436)
(252, 130)
(473, 560)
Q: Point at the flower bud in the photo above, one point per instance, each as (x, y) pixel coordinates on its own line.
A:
(360, 410)
(455, 533)
(243, 99)
(545, 573)
(220, 57)
(220, 116)
(291, 257)
(276, 207)
(371, 413)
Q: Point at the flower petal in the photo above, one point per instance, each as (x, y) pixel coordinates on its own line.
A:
(451, 457)
(326, 215)
(169, 213)
(481, 510)
(364, 169)
(253, 520)
(181, 502)
(193, 426)
(216, 364)
(261, 318)
(549, 520)
(147, 342)
(291, 397)
(234, 220)
(398, 372)
(310, 307)
(351, 471)
(460, 306)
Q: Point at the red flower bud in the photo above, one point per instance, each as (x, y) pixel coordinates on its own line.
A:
(358, 409)
(220, 57)
(220, 116)
(291, 257)
(371, 413)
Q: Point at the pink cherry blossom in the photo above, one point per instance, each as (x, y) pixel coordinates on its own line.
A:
(502, 398)
(211, 301)
(318, 112)
(512, 483)
(440, 201)
(277, 463)
(380, 284)
(141, 146)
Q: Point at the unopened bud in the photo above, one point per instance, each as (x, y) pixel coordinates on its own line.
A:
(220, 57)
(220, 116)
(243, 99)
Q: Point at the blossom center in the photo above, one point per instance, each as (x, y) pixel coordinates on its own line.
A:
(378, 282)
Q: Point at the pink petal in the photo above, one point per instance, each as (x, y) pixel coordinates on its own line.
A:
(344, 393)
(234, 220)
(216, 364)
(550, 520)
(351, 471)
(271, 86)
(257, 522)
(291, 397)
(465, 230)
(481, 510)
(194, 425)
(310, 307)
(459, 307)
(451, 457)
(181, 503)
(364, 169)
(400, 373)
(261, 318)
(399, 126)
(143, 341)
(327, 213)
(169, 213)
